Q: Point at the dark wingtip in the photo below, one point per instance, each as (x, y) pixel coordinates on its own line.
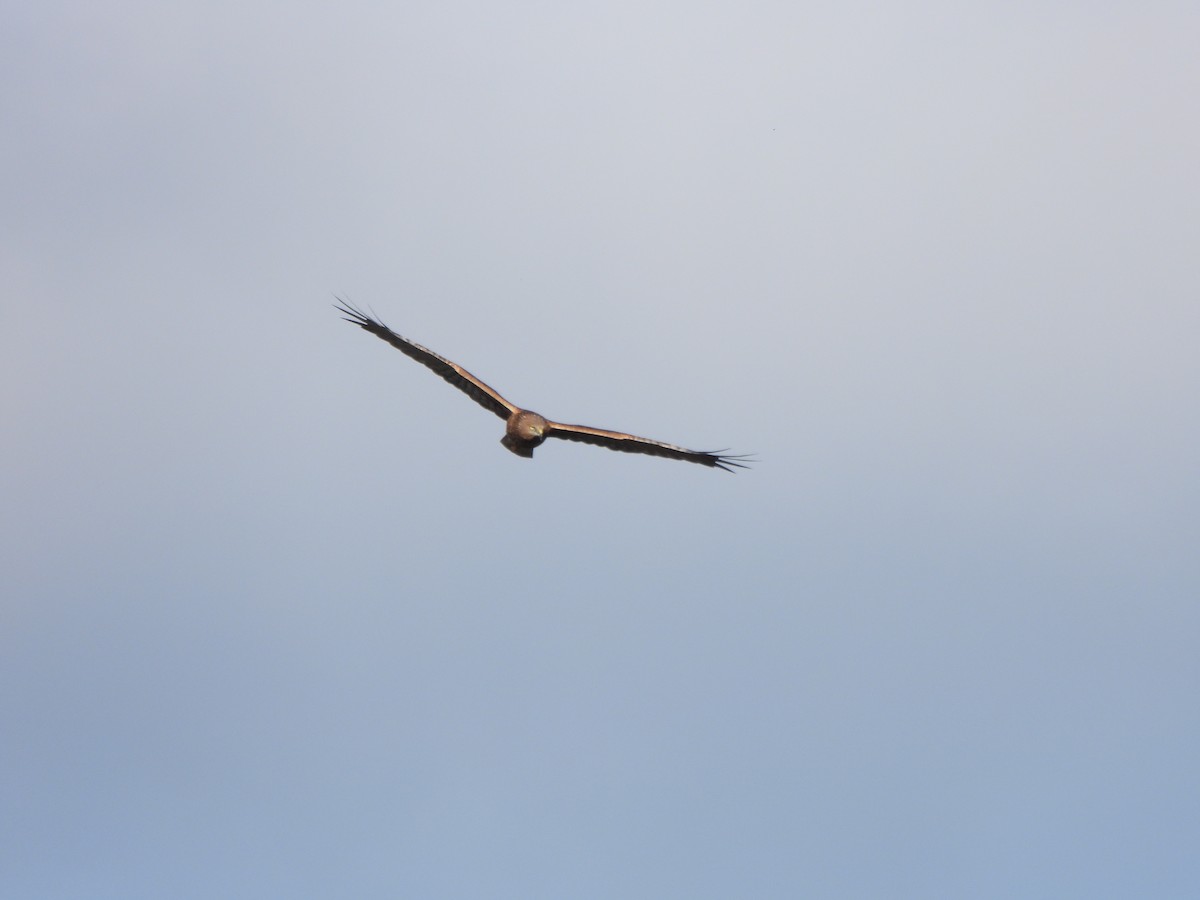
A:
(355, 316)
(344, 306)
(728, 462)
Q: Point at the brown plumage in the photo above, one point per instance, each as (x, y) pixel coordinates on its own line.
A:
(526, 430)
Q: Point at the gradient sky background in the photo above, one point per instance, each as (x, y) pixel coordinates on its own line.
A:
(282, 619)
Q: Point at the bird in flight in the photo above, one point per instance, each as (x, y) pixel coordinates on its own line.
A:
(525, 429)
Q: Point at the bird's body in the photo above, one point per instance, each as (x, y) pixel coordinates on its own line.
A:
(525, 430)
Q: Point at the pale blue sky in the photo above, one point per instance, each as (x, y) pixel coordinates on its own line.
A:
(281, 618)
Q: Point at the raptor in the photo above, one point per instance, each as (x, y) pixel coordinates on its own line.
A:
(525, 430)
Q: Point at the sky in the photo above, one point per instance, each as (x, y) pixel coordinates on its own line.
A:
(279, 616)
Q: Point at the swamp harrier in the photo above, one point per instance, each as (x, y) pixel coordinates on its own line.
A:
(525, 429)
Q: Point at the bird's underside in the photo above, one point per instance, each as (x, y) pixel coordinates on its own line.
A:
(526, 430)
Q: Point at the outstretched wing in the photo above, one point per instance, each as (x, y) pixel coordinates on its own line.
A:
(629, 443)
(481, 393)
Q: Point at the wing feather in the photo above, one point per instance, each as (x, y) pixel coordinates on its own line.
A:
(629, 443)
(481, 393)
